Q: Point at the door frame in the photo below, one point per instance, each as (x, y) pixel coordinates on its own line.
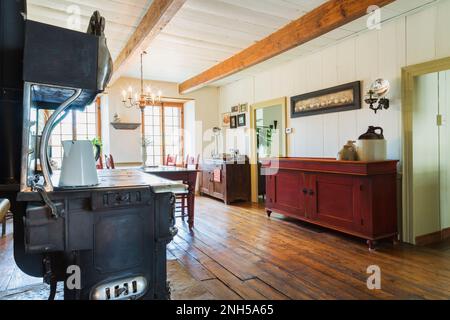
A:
(409, 75)
(253, 151)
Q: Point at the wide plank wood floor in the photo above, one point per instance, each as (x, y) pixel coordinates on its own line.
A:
(236, 252)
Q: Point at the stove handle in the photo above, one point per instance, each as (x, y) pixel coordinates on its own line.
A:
(41, 190)
(173, 230)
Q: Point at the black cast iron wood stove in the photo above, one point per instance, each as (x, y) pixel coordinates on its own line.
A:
(115, 233)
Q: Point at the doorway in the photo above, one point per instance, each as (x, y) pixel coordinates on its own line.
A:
(426, 121)
(268, 127)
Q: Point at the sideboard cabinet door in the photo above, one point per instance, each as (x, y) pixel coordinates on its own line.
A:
(219, 189)
(270, 191)
(334, 200)
(206, 182)
(289, 190)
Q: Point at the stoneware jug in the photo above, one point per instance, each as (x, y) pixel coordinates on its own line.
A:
(78, 166)
(372, 146)
(348, 152)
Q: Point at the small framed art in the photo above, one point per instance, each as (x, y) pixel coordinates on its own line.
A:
(241, 120)
(233, 122)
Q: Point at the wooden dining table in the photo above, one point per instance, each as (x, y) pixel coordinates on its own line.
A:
(187, 176)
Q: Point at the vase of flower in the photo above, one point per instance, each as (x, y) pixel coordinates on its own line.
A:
(145, 143)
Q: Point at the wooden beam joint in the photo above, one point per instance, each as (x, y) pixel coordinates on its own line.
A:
(159, 14)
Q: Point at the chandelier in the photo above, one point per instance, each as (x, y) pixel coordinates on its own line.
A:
(145, 98)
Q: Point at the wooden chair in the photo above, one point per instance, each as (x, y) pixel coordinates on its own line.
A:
(100, 164)
(109, 162)
(4, 210)
(181, 205)
(192, 162)
(171, 161)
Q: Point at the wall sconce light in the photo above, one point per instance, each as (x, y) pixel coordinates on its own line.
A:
(377, 94)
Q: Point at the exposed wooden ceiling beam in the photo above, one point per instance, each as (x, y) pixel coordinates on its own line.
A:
(325, 18)
(157, 17)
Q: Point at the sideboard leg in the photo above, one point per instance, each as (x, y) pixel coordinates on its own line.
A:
(269, 213)
(395, 241)
(371, 245)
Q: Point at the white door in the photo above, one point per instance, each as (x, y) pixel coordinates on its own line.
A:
(431, 154)
(426, 195)
(444, 149)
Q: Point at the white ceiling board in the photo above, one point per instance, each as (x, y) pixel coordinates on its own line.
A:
(238, 11)
(402, 6)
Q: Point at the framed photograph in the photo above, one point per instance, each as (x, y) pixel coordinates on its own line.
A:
(241, 120)
(341, 98)
(243, 108)
(226, 119)
(233, 122)
(234, 109)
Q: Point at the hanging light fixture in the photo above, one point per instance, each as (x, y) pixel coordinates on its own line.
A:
(146, 97)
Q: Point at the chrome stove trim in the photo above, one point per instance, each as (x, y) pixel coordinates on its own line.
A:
(25, 185)
(122, 289)
(25, 138)
(46, 134)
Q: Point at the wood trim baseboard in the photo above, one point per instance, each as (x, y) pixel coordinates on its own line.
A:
(434, 237)
(446, 234)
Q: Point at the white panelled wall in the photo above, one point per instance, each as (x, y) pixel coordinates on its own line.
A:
(418, 37)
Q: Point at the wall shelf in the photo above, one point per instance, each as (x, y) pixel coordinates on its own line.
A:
(125, 126)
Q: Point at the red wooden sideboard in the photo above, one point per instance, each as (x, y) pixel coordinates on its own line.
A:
(357, 198)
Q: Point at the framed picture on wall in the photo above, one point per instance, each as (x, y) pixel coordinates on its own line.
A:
(234, 109)
(241, 120)
(233, 122)
(226, 119)
(341, 98)
(243, 108)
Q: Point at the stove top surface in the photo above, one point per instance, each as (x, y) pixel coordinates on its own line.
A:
(121, 178)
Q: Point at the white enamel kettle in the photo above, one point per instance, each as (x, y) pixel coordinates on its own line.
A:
(79, 164)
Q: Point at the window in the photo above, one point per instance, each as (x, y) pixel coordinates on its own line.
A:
(153, 135)
(86, 123)
(163, 130)
(79, 125)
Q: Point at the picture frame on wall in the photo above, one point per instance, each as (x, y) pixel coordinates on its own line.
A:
(336, 99)
(235, 109)
(243, 108)
(233, 122)
(226, 120)
(241, 120)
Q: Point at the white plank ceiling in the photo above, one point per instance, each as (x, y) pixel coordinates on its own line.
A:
(204, 32)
